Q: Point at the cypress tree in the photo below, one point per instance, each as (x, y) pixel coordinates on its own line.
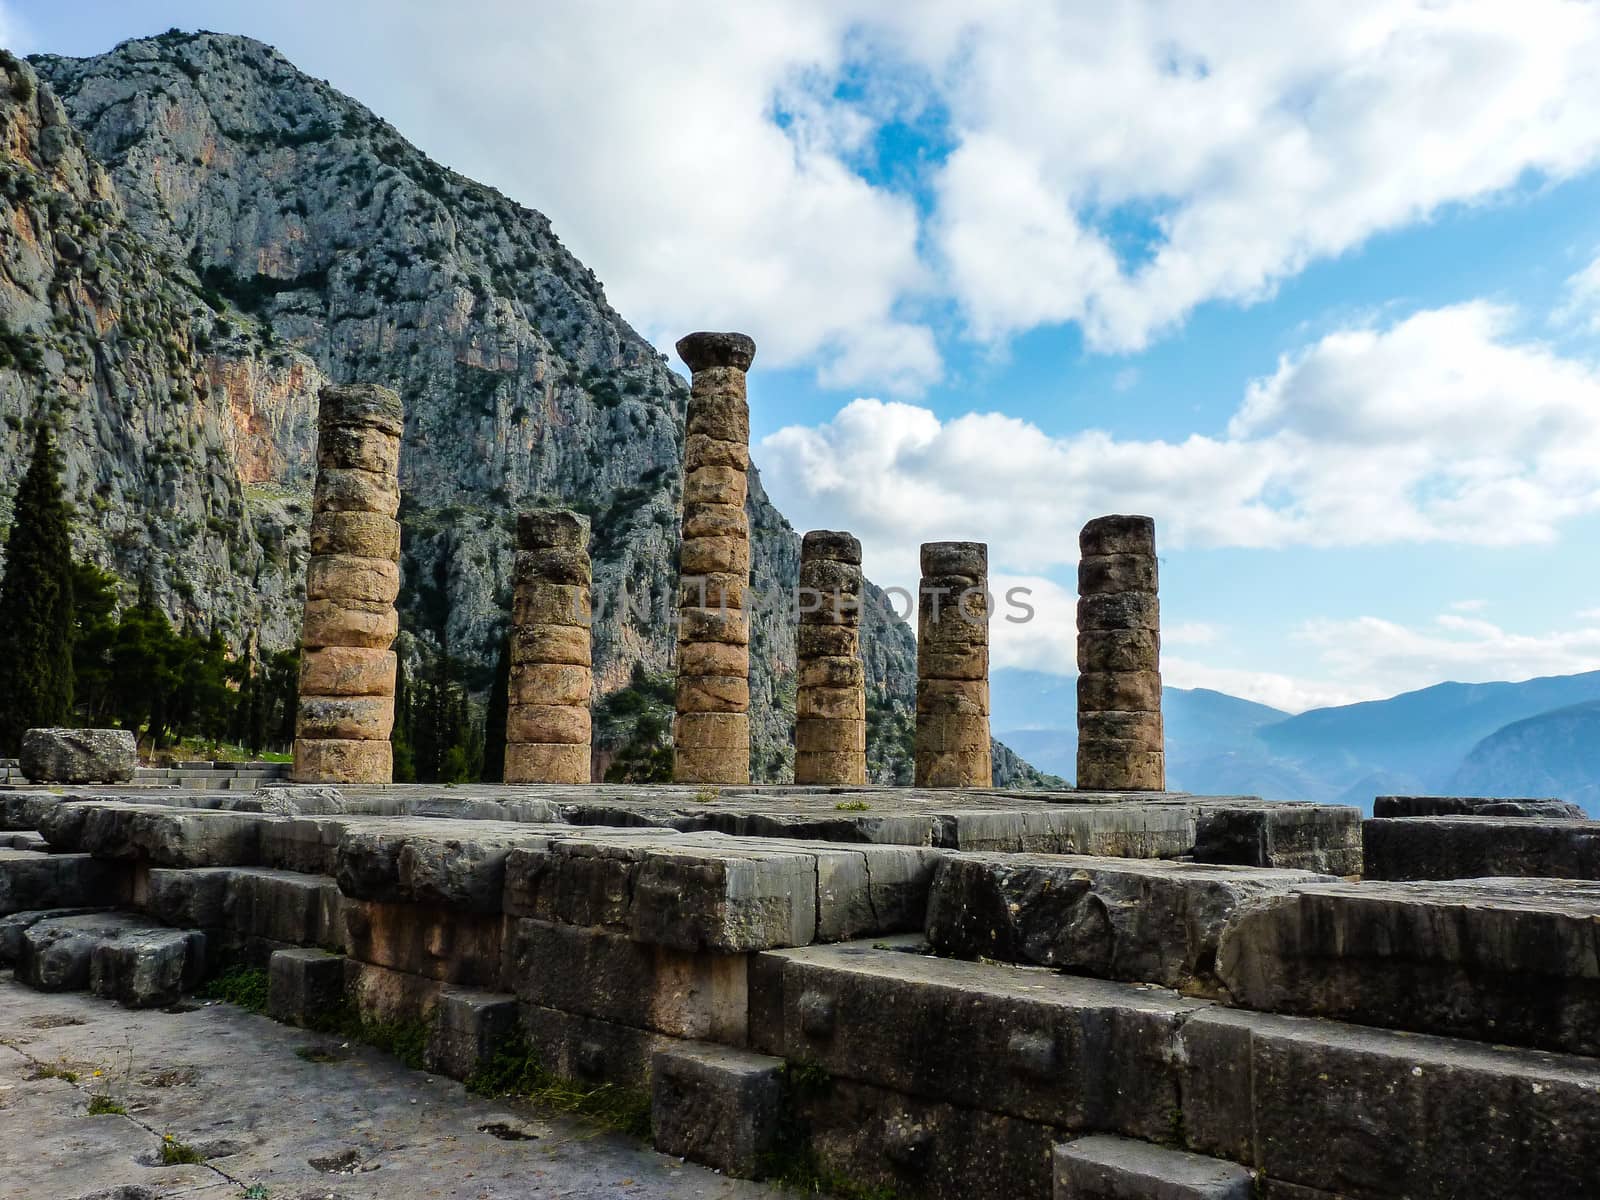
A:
(36, 603)
(494, 730)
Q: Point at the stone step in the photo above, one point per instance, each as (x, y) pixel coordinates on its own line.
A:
(1137, 920)
(1471, 847)
(1102, 1167)
(717, 1106)
(116, 955)
(1078, 1053)
(247, 909)
(1320, 1108)
(32, 879)
(1478, 806)
(1500, 960)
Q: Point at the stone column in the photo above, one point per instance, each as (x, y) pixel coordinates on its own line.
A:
(830, 732)
(547, 711)
(346, 710)
(952, 745)
(1119, 651)
(711, 733)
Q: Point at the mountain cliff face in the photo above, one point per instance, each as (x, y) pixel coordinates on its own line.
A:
(236, 234)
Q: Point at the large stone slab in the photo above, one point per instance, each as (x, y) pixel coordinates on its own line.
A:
(1079, 1053)
(243, 904)
(591, 1051)
(33, 880)
(116, 955)
(610, 977)
(78, 755)
(1499, 960)
(158, 834)
(1366, 1113)
(1474, 847)
(1131, 919)
(1474, 806)
(717, 1106)
(886, 1143)
(446, 862)
(1112, 1168)
(470, 1027)
(447, 944)
(691, 898)
(1325, 838)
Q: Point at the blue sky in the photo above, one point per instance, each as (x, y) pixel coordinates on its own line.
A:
(1313, 285)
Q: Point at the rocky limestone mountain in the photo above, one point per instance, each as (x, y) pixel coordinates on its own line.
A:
(265, 233)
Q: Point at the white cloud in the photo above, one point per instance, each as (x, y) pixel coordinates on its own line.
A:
(1581, 307)
(1441, 427)
(1382, 658)
(1113, 164)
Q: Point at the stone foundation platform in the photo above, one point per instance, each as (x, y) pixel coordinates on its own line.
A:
(940, 993)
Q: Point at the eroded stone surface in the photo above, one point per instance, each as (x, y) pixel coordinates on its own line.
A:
(1479, 806)
(1471, 847)
(78, 755)
(115, 955)
(1112, 1168)
(1498, 960)
(1129, 919)
(717, 1106)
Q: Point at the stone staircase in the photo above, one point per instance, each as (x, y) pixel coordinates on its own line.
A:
(921, 1018)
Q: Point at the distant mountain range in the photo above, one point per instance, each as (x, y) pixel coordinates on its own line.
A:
(1540, 737)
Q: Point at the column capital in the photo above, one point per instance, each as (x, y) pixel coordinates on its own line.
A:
(702, 350)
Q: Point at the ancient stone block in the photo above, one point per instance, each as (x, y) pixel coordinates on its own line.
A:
(550, 683)
(1117, 573)
(1515, 966)
(1027, 1042)
(707, 451)
(613, 978)
(1120, 611)
(591, 1051)
(952, 735)
(554, 564)
(716, 521)
(717, 1106)
(730, 625)
(1118, 649)
(714, 555)
(1122, 730)
(30, 880)
(355, 490)
(547, 763)
(1322, 1105)
(347, 760)
(831, 672)
(1118, 534)
(1310, 837)
(707, 486)
(362, 718)
(344, 578)
(712, 658)
(831, 704)
(719, 589)
(814, 642)
(1119, 691)
(824, 735)
(362, 534)
(116, 955)
(1476, 806)
(78, 755)
(902, 1145)
(966, 697)
(1130, 919)
(358, 447)
(304, 986)
(1472, 847)
(966, 560)
(536, 604)
(712, 731)
(1112, 1168)
(713, 693)
(712, 765)
(358, 623)
(560, 724)
(361, 407)
(469, 1027)
(568, 644)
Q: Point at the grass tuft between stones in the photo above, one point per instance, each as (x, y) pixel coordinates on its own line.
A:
(175, 1153)
(101, 1105)
(515, 1070)
(852, 806)
(242, 986)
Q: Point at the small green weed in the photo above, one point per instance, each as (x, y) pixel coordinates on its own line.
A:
(515, 1070)
(243, 986)
(706, 796)
(54, 1071)
(852, 806)
(175, 1154)
(101, 1105)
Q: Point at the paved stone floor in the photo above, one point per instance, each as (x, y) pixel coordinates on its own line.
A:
(274, 1124)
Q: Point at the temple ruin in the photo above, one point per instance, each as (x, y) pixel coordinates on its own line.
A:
(830, 730)
(347, 668)
(711, 732)
(953, 603)
(947, 992)
(547, 709)
(1120, 746)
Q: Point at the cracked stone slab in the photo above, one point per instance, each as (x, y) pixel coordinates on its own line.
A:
(1471, 847)
(30, 879)
(1025, 1041)
(1499, 960)
(1138, 920)
(115, 955)
(236, 1085)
